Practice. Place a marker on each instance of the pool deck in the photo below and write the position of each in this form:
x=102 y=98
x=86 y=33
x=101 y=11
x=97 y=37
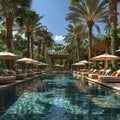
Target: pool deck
x=114 y=86
x=3 y=86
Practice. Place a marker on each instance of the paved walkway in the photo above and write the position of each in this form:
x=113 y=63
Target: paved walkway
x=114 y=86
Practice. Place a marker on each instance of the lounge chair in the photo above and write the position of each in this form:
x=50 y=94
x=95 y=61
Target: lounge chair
x=113 y=78
x=95 y=75
x=100 y=73
x=7 y=79
x=20 y=74
x=88 y=72
x=30 y=73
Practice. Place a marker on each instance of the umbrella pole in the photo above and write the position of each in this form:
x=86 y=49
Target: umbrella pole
x=106 y=63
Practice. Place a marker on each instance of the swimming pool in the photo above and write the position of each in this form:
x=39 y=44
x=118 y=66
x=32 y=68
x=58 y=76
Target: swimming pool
x=59 y=97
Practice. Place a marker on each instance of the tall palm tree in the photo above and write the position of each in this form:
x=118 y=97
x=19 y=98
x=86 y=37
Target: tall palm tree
x=44 y=39
x=113 y=22
x=74 y=2
x=29 y=23
x=47 y=42
x=113 y=13
x=9 y=10
x=77 y=33
x=37 y=26
x=70 y=48
x=90 y=12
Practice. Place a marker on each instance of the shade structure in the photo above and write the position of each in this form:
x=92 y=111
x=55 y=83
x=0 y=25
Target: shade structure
x=8 y=55
x=85 y=62
x=106 y=57
x=78 y=64
x=26 y=60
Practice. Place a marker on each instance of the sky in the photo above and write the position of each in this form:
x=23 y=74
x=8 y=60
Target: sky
x=54 y=12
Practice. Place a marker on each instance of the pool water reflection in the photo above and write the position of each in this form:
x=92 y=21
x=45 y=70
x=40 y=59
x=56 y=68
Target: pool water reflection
x=61 y=97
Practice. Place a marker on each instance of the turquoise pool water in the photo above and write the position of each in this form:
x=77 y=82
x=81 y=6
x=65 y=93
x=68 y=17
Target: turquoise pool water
x=59 y=97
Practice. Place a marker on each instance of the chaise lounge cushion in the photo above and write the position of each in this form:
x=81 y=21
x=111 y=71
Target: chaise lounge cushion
x=101 y=73
x=7 y=79
x=109 y=79
x=95 y=75
x=21 y=76
x=114 y=77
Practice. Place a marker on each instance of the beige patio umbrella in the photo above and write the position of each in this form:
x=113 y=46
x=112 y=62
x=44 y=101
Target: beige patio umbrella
x=106 y=57
x=26 y=60
x=85 y=62
x=8 y=55
x=78 y=64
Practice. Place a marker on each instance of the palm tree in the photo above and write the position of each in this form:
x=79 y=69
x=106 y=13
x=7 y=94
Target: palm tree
x=44 y=38
x=70 y=48
x=113 y=13
x=19 y=45
x=113 y=30
x=29 y=25
x=75 y=33
x=46 y=42
x=9 y=10
x=74 y=2
x=107 y=27
x=37 y=26
x=90 y=12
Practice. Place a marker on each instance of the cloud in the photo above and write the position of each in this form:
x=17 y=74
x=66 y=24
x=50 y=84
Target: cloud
x=59 y=37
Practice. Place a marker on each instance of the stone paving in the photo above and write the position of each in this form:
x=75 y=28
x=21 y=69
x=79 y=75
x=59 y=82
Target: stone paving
x=114 y=86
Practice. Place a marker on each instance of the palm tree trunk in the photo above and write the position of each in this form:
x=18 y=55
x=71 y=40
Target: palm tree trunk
x=32 y=42
x=43 y=52
x=113 y=31
x=39 y=48
x=9 y=24
x=46 y=55
x=90 y=26
x=78 y=43
x=113 y=13
x=90 y=43
x=28 y=44
x=9 y=36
